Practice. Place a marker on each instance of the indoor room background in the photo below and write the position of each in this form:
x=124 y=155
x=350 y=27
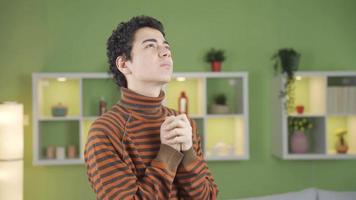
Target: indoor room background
x=70 y=36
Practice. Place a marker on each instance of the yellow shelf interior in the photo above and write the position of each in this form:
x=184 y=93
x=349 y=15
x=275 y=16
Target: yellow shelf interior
x=343 y=122
x=52 y=92
x=193 y=88
x=225 y=136
x=310 y=92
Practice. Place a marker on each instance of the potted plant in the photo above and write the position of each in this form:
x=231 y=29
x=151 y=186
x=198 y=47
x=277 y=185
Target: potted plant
x=220 y=106
x=215 y=57
x=286 y=63
x=341 y=146
x=298 y=127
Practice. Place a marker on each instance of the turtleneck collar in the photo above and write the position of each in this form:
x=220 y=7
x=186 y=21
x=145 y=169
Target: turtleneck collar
x=141 y=103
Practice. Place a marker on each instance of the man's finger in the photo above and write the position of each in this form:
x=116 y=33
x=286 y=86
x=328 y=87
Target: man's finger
x=168 y=120
x=174 y=133
x=175 y=124
x=176 y=140
x=183 y=117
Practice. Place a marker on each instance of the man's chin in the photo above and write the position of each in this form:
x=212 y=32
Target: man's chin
x=165 y=81
x=166 y=78
x=162 y=79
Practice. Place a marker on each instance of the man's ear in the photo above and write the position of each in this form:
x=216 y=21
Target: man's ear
x=122 y=66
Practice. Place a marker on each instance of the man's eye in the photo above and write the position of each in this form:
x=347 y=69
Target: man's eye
x=168 y=47
x=150 y=45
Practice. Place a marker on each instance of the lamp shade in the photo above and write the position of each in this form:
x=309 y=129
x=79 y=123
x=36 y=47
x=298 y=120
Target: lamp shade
x=11 y=180
x=11 y=151
x=11 y=131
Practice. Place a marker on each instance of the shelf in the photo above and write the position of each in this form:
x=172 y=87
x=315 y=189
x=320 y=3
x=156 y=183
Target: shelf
x=58 y=134
x=309 y=91
x=60 y=162
x=193 y=88
x=329 y=100
x=196 y=116
x=74 y=118
x=81 y=93
x=223 y=115
x=341 y=92
x=347 y=123
x=201 y=131
x=225 y=137
x=341 y=115
x=54 y=91
x=319 y=157
x=104 y=88
x=315 y=136
x=305 y=115
x=231 y=88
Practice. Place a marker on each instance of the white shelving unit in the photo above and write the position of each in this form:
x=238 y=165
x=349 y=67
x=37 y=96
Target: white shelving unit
x=329 y=100
x=224 y=136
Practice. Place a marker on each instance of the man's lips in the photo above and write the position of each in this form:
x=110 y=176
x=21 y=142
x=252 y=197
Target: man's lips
x=166 y=65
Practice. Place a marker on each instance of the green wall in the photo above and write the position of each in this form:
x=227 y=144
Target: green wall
x=67 y=36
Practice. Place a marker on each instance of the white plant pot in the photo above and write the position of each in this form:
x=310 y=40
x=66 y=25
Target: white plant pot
x=219 y=109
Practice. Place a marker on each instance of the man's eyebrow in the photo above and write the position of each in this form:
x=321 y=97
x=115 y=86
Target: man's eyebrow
x=154 y=40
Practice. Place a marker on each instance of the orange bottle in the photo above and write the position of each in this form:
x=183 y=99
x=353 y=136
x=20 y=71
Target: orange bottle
x=102 y=106
x=183 y=103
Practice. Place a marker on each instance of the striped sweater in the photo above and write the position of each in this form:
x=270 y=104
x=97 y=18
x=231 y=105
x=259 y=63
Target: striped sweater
x=126 y=160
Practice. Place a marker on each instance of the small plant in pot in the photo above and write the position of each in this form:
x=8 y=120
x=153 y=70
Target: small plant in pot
x=219 y=106
x=341 y=145
x=215 y=57
x=286 y=63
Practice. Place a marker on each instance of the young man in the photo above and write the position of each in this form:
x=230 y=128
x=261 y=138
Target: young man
x=141 y=149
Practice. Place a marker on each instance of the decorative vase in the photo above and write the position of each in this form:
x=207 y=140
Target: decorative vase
x=341 y=146
x=299 y=109
x=299 y=142
x=216 y=66
x=59 y=110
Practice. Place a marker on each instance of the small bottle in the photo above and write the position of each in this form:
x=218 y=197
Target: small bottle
x=60 y=153
x=183 y=103
x=51 y=152
x=71 y=151
x=102 y=106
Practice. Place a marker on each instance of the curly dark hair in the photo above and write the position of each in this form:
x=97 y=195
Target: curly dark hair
x=121 y=40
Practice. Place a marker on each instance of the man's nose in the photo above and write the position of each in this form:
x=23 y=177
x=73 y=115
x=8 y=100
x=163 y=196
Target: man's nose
x=164 y=52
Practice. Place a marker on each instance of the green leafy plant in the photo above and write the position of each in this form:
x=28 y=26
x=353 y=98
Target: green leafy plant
x=341 y=132
x=220 y=99
x=286 y=63
x=299 y=124
x=215 y=55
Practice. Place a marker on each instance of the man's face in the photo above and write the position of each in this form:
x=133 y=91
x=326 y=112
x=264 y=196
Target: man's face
x=151 y=60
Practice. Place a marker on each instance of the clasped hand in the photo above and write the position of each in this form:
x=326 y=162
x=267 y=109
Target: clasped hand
x=177 y=132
